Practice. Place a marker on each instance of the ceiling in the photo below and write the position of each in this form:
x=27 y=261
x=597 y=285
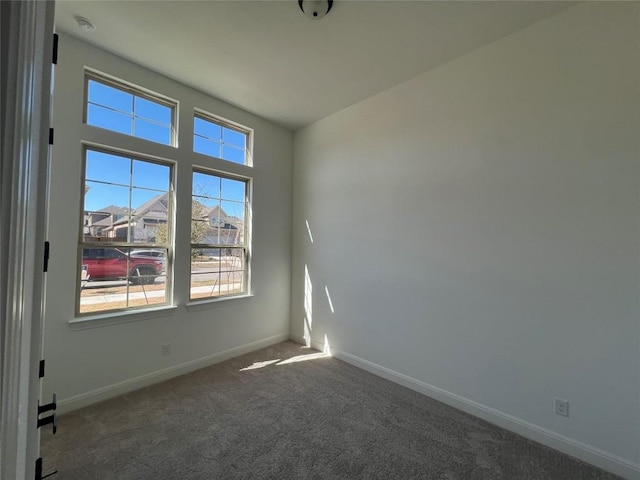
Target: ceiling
x=269 y=59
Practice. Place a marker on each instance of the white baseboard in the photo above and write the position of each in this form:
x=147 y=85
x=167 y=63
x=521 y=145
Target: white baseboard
x=575 y=448
x=104 y=393
x=600 y=458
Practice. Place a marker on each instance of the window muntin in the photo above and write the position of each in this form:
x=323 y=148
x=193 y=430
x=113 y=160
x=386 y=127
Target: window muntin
x=120 y=108
x=126 y=232
x=219 y=244
x=216 y=138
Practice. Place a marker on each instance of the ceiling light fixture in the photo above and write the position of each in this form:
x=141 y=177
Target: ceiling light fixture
x=84 y=24
x=315 y=8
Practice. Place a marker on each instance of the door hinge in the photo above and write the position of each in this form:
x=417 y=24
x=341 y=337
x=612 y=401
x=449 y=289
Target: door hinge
x=54 y=58
x=46 y=256
x=51 y=136
x=41 y=369
x=48 y=407
x=39 y=470
x=50 y=420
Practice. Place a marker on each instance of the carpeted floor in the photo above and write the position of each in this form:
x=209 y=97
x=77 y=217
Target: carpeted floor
x=288 y=412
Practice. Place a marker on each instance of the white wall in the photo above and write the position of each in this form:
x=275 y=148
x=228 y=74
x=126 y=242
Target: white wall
x=477 y=230
x=90 y=361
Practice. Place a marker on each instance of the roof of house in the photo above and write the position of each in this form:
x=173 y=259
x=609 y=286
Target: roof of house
x=111 y=210
x=107 y=222
x=157 y=206
x=216 y=211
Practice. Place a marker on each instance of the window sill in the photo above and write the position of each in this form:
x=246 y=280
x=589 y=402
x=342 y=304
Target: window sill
x=106 y=319
x=205 y=304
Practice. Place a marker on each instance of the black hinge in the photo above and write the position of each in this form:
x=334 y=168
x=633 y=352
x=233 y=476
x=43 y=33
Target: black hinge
x=39 y=470
x=41 y=369
x=54 y=58
x=50 y=420
x=46 y=256
x=51 y=136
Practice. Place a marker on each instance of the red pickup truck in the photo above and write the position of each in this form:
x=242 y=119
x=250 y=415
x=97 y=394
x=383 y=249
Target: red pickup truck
x=114 y=264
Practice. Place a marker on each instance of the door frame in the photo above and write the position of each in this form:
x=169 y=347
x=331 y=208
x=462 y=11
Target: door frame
x=25 y=88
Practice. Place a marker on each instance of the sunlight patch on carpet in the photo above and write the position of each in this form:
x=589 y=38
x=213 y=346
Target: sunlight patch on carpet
x=303 y=358
x=260 y=364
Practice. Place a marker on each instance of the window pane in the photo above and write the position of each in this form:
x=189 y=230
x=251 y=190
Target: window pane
x=207 y=129
x=107 y=96
x=113 y=108
x=205 y=273
x=117 y=278
x=106 y=264
x=151 y=175
x=233 y=190
x=205 y=208
x=152 y=131
x=109 y=168
x=150 y=208
x=232 y=271
x=216 y=140
x=106 y=211
x=215 y=222
x=204 y=212
x=128 y=276
x=206 y=147
x=233 y=154
x=148 y=202
x=152 y=110
x=217 y=272
x=233 y=209
x=109 y=119
x=234 y=137
x=205 y=185
x=233 y=232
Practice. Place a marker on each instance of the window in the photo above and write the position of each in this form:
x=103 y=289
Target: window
x=216 y=138
x=219 y=243
x=126 y=242
x=126 y=232
x=120 y=108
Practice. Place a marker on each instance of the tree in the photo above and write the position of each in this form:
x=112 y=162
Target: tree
x=199 y=227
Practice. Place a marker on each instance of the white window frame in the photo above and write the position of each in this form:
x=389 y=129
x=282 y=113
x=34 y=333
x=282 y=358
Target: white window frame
x=136 y=91
x=170 y=245
x=246 y=246
x=224 y=123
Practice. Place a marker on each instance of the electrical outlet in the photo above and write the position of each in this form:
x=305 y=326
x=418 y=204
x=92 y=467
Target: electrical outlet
x=561 y=407
x=166 y=349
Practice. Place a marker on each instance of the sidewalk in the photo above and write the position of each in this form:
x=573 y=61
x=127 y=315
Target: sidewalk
x=122 y=297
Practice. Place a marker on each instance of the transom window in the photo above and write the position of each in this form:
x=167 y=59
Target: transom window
x=125 y=248
x=219 y=243
x=120 y=108
x=218 y=139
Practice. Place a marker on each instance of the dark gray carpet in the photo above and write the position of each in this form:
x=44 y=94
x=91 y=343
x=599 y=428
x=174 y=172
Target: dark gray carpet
x=313 y=419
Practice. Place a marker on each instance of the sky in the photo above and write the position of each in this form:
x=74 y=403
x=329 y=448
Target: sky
x=125 y=182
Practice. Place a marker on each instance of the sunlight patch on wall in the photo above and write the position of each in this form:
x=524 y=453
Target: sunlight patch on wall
x=308 y=306
x=327 y=348
x=309 y=230
x=326 y=290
